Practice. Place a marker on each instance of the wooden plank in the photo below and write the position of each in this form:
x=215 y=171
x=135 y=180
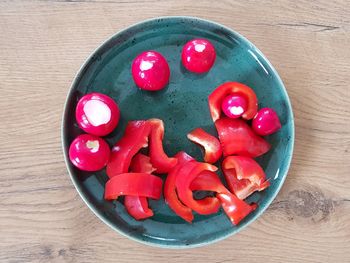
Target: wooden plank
x=43 y=44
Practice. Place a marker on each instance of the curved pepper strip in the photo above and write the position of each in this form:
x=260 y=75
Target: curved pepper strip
x=234 y=208
x=217 y=96
x=141 y=164
x=244 y=176
x=207 y=181
x=136 y=184
x=185 y=177
x=211 y=145
x=137 y=206
x=159 y=159
x=134 y=138
x=170 y=194
x=237 y=138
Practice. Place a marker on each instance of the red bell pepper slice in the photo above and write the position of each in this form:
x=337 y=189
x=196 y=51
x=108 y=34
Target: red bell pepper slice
x=207 y=181
x=136 y=184
x=234 y=208
x=217 y=96
x=170 y=194
x=141 y=164
x=244 y=176
x=185 y=177
x=237 y=138
x=159 y=159
x=211 y=145
x=137 y=206
x=135 y=138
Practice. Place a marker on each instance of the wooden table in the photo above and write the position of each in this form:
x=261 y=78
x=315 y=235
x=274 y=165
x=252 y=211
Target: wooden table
x=43 y=44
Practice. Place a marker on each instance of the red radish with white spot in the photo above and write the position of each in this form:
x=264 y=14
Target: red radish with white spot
x=89 y=153
x=266 y=122
x=97 y=114
x=234 y=106
x=198 y=55
x=150 y=71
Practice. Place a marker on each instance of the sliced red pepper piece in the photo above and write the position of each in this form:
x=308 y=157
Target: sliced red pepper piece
x=217 y=96
x=135 y=138
x=208 y=181
x=170 y=194
x=211 y=145
x=141 y=164
x=185 y=177
x=137 y=206
x=244 y=176
x=159 y=158
x=237 y=137
x=136 y=184
x=234 y=208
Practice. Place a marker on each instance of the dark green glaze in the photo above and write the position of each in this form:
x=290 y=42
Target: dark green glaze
x=182 y=106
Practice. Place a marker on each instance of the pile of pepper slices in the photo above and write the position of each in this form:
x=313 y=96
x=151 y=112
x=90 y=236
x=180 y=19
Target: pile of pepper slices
x=132 y=173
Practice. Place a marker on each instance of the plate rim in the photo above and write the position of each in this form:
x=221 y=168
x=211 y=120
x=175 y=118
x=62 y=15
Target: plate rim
x=76 y=183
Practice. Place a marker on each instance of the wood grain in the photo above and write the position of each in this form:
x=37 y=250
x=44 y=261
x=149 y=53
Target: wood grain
x=43 y=44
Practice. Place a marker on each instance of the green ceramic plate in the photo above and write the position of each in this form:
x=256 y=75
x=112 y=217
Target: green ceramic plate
x=182 y=106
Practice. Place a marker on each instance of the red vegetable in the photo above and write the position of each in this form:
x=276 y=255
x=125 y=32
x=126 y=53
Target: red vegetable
x=159 y=159
x=170 y=194
x=141 y=164
x=136 y=184
x=185 y=174
x=137 y=206
x=243 y=176
x=198 y=55
x=202 y=182
x=232 y=88
x=89 y=153
x=208 y=181
x=97 y=114
x=211 y=144
x=135 y=138
x=237 y=138
x=185 y=177
x=234 y=106
x=150 y=71
x=234 y=208
x=266 y=122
